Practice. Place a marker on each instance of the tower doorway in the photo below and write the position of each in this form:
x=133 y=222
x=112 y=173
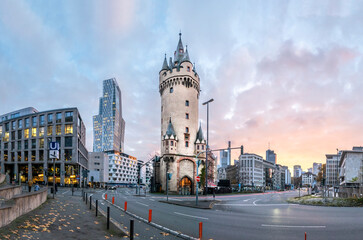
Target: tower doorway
x=185 y=186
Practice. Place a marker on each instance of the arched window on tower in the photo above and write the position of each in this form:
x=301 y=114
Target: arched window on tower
x=186 y=144
x=187 y=103
x=188 y=69
x=171 y=90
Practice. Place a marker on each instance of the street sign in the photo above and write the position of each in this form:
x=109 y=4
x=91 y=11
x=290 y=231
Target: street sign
x=198 y=179
x=54 y=146
x=54 y=154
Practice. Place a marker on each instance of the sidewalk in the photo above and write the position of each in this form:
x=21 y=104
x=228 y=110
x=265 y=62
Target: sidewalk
x=65 y=217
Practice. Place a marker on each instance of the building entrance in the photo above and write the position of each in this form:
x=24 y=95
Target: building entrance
x=185 y=186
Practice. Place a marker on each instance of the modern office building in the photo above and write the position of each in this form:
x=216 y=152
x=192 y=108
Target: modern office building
x=351 y=168
x=24 y=139
x=98 y=168
x=108 y=125
x=224 y=158
x=271 y=156
x=332 y=169
x=297 y=171
x=287 y=176
x=251 y=170
x=316 y=168
x=122 y=168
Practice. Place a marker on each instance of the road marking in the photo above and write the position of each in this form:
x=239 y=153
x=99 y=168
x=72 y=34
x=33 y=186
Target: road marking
x=102 y=203
x=254 y=203
x=191 y=216
x=142 y=204
x=65 y=192
x=152 y=200
x=246 y=200
x=288 y=226
x=175 y=199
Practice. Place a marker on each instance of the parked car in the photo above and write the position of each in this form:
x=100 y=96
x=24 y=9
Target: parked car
x=111 y=188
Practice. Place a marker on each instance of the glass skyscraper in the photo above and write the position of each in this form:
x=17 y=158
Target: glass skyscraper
x=108 y=125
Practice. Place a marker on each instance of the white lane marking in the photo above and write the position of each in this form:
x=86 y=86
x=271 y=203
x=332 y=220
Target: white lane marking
x=65 y=192
x=288 y=226
x=90 y=195
x=152 y=200
x=254 y=203
x=143 y=197
x=175 y=199
x=102 y=203
x=142 y=204
x=246 y=200
x=191 y=216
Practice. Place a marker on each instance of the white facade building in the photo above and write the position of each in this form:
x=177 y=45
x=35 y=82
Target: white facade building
x=308 y=179
x=251 y=170
x=287 y=177
x=332 y=169
x=98 y=168
x=122 y=168
x=351 y=168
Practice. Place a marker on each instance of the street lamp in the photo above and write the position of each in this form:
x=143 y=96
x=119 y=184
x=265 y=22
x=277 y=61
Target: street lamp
x=206 y=156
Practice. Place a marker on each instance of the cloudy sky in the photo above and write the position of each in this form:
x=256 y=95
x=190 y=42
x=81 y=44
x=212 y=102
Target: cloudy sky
x=288 y=73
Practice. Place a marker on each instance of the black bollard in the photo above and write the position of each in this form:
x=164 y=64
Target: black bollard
x=108 y=218
x=90 y=202
x=131 y=229
x=96 y=207
x=86 y=198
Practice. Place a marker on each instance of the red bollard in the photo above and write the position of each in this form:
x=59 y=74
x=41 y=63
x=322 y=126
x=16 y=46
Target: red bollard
x=200 y=230
x=105 y=196
x=113 y=200
x=125 y=206
x=305 y=235
x=150 y=214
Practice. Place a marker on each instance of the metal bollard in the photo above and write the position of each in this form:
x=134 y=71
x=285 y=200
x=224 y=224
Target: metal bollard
x=150 y=214
x=96 y=208
x=105 y=196
x=200 y=230
x=305 y=235
x=86 y=198
x=131 y=229
x=125 y=206
x=90 y=202
x=108 y=218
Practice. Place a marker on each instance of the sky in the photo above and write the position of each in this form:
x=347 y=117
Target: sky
x=284 y=73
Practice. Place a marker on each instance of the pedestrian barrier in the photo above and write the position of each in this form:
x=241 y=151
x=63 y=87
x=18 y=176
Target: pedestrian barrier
x=200 y=230
x=305 y=235
x=113 y=200
x=150 y=214
x=106 y=196
x=125 y=206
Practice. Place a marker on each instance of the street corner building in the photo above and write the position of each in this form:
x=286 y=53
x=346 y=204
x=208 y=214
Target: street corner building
x=181 y=138
x=24 y=145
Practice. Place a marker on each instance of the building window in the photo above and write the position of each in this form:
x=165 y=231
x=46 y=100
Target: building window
x=41 y=131
x=68 y=129
x=171 y=143
x=50 y=118
x=20 y=123
x=41 y=120
x=58 y=130
x=34 y=143
x=171 y=90
x=13 y=124
x=68 y=154
x=34 y=132
x=20 y=134
x=34 y=121
x=202 y=147
x=188 y=69
x=26 y=144
x=69 y=117
x=50 y=130
x=58 y=118
x=58 y=140
x=19 y=145
x=197 y=147
x=33 y=156
x=186 y=103
x=187 y=116
x=68 y=141
x=186 y=144
x=41 y=143
x=26 y=133
x=26 y=122
x=186 y=129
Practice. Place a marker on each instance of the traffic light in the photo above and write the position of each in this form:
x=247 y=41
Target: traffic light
x=169 y=176
x=241 y=149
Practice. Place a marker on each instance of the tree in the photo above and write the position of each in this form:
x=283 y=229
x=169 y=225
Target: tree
x=322 y=173
x=202 y=177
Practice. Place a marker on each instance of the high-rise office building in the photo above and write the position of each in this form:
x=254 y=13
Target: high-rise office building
x=271 y=156
x=224 y=158
x=297 y=171
x=316 y=168
x=108 y=125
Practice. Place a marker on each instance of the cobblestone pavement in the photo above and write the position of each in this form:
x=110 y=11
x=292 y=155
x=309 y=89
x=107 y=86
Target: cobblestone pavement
x=68 y=217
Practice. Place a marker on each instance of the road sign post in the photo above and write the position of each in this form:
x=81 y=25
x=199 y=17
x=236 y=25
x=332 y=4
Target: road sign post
x=53 y=154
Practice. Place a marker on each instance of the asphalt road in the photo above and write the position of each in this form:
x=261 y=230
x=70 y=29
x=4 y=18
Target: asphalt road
x=253 y=216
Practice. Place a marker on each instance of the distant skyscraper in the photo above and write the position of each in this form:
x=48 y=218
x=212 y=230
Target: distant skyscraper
x=108 y=125
x=297 y=171
x=316 y=168
x=224 y=158
x=271 y=156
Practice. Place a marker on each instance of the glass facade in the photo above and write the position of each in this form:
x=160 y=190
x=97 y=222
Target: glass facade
x=108 y=125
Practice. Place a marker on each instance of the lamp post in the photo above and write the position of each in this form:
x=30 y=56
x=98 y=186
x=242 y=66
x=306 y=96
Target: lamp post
x=206 y=156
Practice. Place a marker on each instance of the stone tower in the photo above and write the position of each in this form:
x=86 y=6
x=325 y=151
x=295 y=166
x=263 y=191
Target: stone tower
x=181 y=140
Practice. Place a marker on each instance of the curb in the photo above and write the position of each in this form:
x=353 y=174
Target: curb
x=210 y=206
x=170 y=231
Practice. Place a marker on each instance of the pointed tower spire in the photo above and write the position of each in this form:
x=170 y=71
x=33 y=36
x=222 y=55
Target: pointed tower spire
x=170 y=63
x=179 y=53
x=200 y=136
x=186 y=55
x=170 y=131
x=165 y=64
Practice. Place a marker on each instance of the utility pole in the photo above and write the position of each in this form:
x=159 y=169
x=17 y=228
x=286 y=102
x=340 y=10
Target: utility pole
x=206 y=157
